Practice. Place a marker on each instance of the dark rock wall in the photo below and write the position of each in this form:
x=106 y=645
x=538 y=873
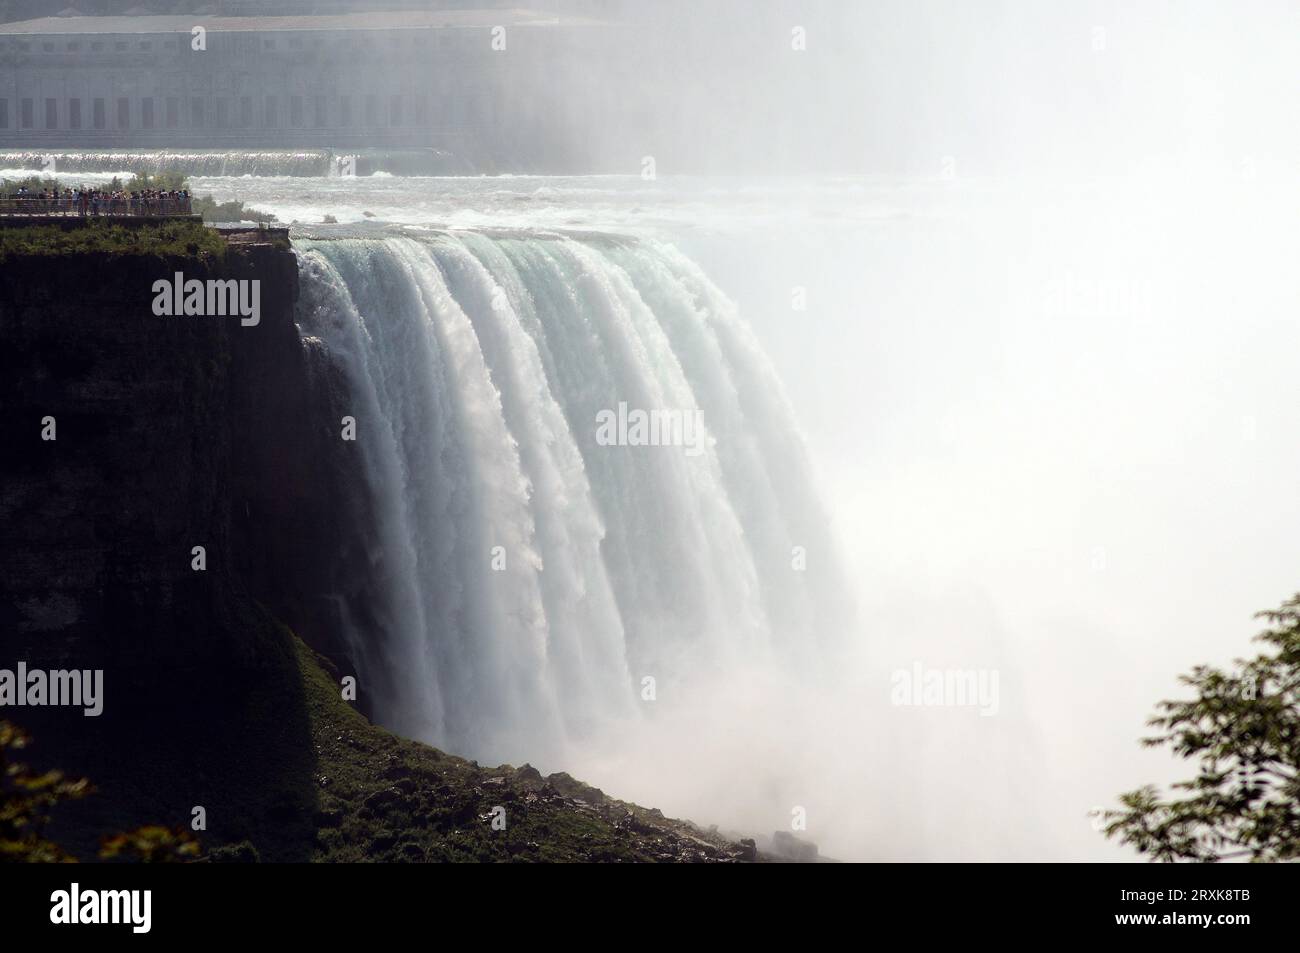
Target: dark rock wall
x=172 y=432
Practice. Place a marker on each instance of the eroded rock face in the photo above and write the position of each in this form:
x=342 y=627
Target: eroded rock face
x=179 y=432
x=99 y=523
x=170 y=433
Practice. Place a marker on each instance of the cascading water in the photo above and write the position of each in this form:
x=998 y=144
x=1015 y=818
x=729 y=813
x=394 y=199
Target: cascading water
x=262 y=163
x=533 y=577
x=267 y=163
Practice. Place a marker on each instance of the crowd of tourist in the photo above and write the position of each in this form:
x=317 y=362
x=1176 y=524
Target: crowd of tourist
x=96 y=202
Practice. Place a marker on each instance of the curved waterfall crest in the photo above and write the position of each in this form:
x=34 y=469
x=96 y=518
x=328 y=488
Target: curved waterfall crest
x=537 y=578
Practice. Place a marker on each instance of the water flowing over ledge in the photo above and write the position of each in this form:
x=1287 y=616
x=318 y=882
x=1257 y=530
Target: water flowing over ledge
x=533 y=578
x=258 y=163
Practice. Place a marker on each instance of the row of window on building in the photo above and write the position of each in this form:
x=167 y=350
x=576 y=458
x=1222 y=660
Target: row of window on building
x=244 y=112
x=420 y=40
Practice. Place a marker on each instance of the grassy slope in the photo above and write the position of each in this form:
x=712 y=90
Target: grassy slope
x=383 y=797
x=286 y=770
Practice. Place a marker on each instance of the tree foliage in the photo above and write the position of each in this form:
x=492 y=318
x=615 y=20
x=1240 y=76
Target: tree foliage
x=1243 y=729
x=152 y=844
x=27 y=798
x=165 y=181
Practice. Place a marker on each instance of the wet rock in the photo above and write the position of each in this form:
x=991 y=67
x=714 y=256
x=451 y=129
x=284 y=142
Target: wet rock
x=568 y=786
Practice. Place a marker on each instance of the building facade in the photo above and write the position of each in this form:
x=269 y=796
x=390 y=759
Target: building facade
x=463 y=80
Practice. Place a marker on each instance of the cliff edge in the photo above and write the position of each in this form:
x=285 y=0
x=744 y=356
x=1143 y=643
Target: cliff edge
x=177 y=512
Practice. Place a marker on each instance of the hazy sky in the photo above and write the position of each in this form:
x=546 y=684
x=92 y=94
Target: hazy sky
x=1003 y=86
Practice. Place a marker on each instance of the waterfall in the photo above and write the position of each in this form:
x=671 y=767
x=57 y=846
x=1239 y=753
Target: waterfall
x=259 y=163
x=539 y=584
x=215 y=163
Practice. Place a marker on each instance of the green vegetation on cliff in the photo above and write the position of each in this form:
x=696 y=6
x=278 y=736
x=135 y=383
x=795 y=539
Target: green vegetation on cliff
x=384 y=797
x=100 y=236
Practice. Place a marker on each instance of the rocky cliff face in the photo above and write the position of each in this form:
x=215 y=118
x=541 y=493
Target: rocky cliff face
x=130 y=439
x=169 y=433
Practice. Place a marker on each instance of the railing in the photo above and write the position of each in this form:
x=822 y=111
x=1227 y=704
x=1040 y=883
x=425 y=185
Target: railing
x=103 y=208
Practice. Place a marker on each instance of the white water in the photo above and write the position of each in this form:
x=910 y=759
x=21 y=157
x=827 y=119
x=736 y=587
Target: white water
x=479 y=366
x=82 y=166
x=1048 y=418
x=1052 y=424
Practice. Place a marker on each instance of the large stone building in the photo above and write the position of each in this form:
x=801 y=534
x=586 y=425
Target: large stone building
x=472 y=81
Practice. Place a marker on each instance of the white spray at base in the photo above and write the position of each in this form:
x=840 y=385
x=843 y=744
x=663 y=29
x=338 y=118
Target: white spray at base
x=548 y=598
